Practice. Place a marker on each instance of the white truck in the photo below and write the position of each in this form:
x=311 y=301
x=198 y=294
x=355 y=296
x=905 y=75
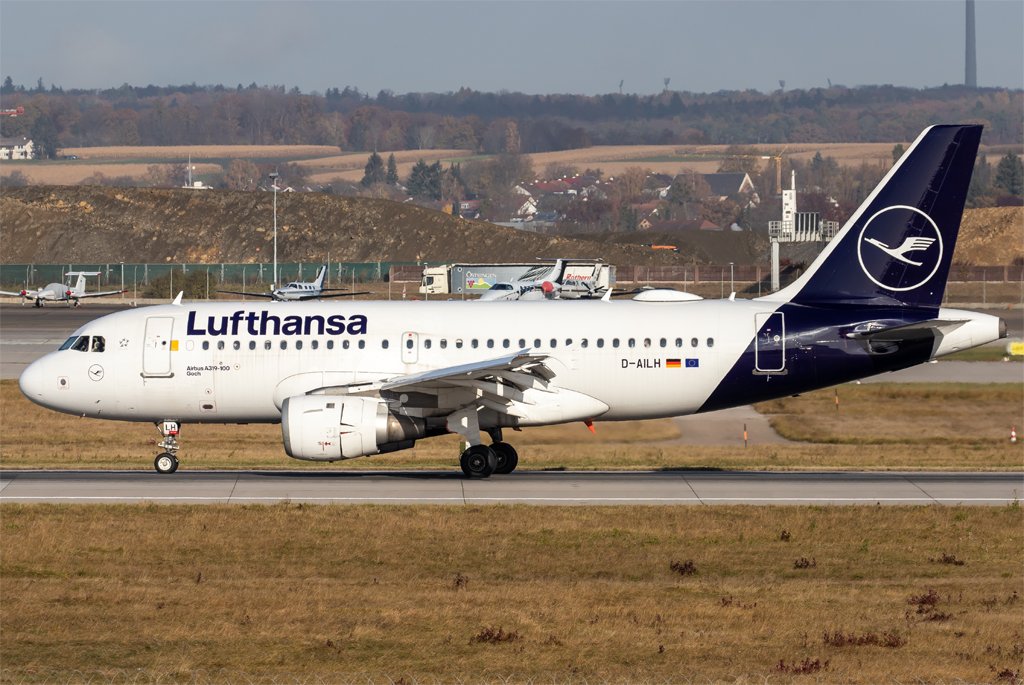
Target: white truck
x=459 y=279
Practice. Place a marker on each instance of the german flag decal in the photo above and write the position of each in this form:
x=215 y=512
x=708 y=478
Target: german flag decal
x=673 y=364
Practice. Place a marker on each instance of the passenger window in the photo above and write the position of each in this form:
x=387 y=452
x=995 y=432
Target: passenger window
x=384 y=343
x=600 y=342
x=647 y=342
x=536 y=342
x=632 y=342
x=98 y=343
x=344 y=344
x=711 y=342
x=330 y=344
x=267 y=344
x=408 y=344
x=284 y=344
x=252 y=344
x=679 y=342
x=583 y=342
x=694 y=342
x=206 y=344
x=82 y=345
x=490 y=343
x=426 y=343
x=69 y=342
x=664 y=343
x=568 y=342
x=458 y=343
x=522 y=343
x=554 y=343
x=362 y=344
x=298 y=344
x=505 y=343
x=315 y=344
x=237 y=344
x=220 y=344
x=615 y=342
x=444 y=343
x=474 y=343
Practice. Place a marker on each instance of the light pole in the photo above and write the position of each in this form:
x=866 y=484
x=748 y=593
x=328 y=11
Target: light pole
x=732 y=279
x=122 y=280
x=273 y=181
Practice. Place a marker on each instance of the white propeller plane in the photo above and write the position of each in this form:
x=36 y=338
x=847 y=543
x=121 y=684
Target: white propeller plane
x=348 y=379
x=62 y=292
x=298 y=291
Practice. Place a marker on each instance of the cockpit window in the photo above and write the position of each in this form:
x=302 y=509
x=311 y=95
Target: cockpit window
x=98 y=343
x=69 y=342
x=82 y=344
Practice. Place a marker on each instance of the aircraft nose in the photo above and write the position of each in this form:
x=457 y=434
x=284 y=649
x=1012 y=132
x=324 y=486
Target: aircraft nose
x=34 y=381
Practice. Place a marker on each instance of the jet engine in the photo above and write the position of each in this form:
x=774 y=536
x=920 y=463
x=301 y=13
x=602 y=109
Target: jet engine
x=329 y=428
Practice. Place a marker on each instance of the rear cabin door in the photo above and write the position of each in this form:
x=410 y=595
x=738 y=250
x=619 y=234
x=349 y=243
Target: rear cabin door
x=770 y=343
x=156 y=352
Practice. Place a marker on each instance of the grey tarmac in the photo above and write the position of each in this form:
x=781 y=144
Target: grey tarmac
x=685 y=487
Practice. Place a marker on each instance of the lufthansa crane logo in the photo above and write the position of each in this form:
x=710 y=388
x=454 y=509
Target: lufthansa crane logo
x=900 y=248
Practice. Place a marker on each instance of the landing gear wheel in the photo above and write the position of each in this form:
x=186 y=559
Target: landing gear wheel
x=478 y=461
x=165 y=462
x=508 y=459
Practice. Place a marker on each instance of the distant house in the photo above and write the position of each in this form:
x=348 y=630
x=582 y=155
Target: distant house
x=16 y=148
x=726 y=185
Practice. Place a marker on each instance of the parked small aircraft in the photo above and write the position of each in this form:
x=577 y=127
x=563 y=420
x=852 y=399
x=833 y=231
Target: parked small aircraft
x=297 y=291
x=62 y=292
x=550 y=282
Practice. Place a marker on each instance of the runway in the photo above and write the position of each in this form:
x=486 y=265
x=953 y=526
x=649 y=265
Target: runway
x=697 y=487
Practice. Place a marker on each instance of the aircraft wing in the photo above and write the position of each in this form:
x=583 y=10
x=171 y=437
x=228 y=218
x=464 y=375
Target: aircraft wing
x=235 y=292
x=322 y=296
x=500 y=384
x=28 y=293
x=99 y=294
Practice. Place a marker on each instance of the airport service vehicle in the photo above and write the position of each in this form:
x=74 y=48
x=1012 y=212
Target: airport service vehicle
x=461 y=279
x=62 y=292
x=348 y=379
x=298 y=291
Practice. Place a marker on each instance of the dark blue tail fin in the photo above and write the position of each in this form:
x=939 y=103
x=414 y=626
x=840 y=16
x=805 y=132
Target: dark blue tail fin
x=897 y=247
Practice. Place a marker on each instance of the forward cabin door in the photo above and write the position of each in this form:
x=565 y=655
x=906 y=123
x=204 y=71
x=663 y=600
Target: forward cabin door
x=769 y=343
x=156 y=352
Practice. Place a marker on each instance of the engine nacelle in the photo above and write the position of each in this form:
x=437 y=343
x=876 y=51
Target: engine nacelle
x=329 y=428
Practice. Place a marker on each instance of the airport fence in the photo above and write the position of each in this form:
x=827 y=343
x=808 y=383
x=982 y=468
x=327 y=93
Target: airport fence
x=129 y=276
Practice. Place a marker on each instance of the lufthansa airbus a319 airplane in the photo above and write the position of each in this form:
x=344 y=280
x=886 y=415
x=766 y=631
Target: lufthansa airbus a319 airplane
x=352 y=379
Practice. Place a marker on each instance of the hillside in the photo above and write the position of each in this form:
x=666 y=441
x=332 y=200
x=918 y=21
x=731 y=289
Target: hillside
x=62 y=224
x=91 y=224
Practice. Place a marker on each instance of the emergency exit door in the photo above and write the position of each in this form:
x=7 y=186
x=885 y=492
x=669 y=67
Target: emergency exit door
x=156 y=351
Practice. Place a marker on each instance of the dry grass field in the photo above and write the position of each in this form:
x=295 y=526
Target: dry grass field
x=295 y=593
x=183 y=152
x=877 y=427
x=73 y=173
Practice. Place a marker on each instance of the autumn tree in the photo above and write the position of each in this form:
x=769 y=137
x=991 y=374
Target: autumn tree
x=242 y=174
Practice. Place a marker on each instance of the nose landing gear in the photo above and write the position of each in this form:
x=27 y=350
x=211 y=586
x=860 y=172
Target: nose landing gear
x=167 y=462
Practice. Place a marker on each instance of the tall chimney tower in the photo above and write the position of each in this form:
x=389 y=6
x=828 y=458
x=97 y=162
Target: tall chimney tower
x=970 y=55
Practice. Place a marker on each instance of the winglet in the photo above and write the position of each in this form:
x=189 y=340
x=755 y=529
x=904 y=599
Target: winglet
x=607 y=297
x=177 y=300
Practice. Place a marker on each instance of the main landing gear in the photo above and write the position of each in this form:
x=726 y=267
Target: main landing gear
x=480 y=461
x=167 y=462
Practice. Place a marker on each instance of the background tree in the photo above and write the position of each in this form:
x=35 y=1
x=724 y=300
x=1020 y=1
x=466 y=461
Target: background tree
x=981 y=183
x=897 y=152
x=44 y=137
x=374 y=171
x=392 y=175
x=1010 y=175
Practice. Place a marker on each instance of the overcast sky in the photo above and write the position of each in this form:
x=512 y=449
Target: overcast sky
x=532 y=47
